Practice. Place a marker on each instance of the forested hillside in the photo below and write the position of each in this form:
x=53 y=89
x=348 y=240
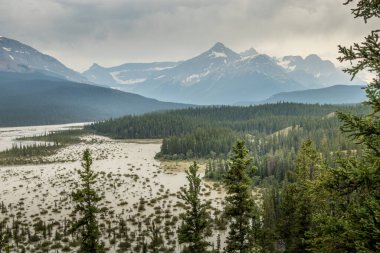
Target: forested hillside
x=266 y=119
x=38 y=99
x=337 y=94
x=273 y=133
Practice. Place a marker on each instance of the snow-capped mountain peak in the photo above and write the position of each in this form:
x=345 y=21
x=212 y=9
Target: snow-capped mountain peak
x=313 y=71
x=217 y=76
x=220 y=75
x=219 y=50
x=18 y=57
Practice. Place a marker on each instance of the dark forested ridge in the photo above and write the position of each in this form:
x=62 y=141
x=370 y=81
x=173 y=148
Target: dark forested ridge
x=337 y=94
x=37 y=99
x=266 y=118
x=273 y=132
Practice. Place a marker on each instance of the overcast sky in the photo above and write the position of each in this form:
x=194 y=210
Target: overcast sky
x=112 y=32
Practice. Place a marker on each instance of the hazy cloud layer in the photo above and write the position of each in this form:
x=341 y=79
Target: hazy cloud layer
x=111 y=32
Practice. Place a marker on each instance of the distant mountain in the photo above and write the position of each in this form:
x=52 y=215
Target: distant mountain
x=314 y=72
x=36 y=99
x=221 y=76
x=217 y=76
x=126 y=74
x=337 y=94
x=18 y=57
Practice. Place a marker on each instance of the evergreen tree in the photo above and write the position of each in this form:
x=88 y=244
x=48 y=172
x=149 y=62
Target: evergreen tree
x=240 y=208
x=270 y=217
x=196 y=225
x=308 y=163
x=86 y=199
x=352 y=221
x=296 y=205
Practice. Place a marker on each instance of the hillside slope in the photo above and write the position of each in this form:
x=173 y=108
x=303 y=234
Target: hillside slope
x=337 y=94
x=35 y=99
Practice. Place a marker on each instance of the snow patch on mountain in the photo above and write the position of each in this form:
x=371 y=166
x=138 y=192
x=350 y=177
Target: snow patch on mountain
x=247 y=58
x=195 y=78
x=215 y=54
x=133 y=81
x=286 y=64
x=160 y=68
x=115 y=75
x=159 y=77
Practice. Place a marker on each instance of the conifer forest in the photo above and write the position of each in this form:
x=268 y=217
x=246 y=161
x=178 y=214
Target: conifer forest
x=282 y=177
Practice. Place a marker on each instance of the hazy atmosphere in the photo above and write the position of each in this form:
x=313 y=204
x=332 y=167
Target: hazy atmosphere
x=189 y=126
x=112 y=32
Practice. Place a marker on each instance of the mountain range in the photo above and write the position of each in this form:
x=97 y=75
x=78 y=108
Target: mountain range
x=36 y=88
x=221 y=76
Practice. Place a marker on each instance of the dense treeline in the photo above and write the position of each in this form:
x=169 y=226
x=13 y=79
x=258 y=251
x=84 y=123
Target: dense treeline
x=40 y=146
x=266 y=119
x=60 y=137
x=273 y=132
x=200 y=142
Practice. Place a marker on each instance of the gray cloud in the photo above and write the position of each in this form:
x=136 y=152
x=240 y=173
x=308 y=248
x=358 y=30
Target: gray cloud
x=110 y=32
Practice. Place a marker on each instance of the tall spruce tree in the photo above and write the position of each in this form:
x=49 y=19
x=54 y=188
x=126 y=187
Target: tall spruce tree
x=240 y=208
x=86 y=200
x=270 y=216
x=296 y=206
x=196 y=223
x=351 y=222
